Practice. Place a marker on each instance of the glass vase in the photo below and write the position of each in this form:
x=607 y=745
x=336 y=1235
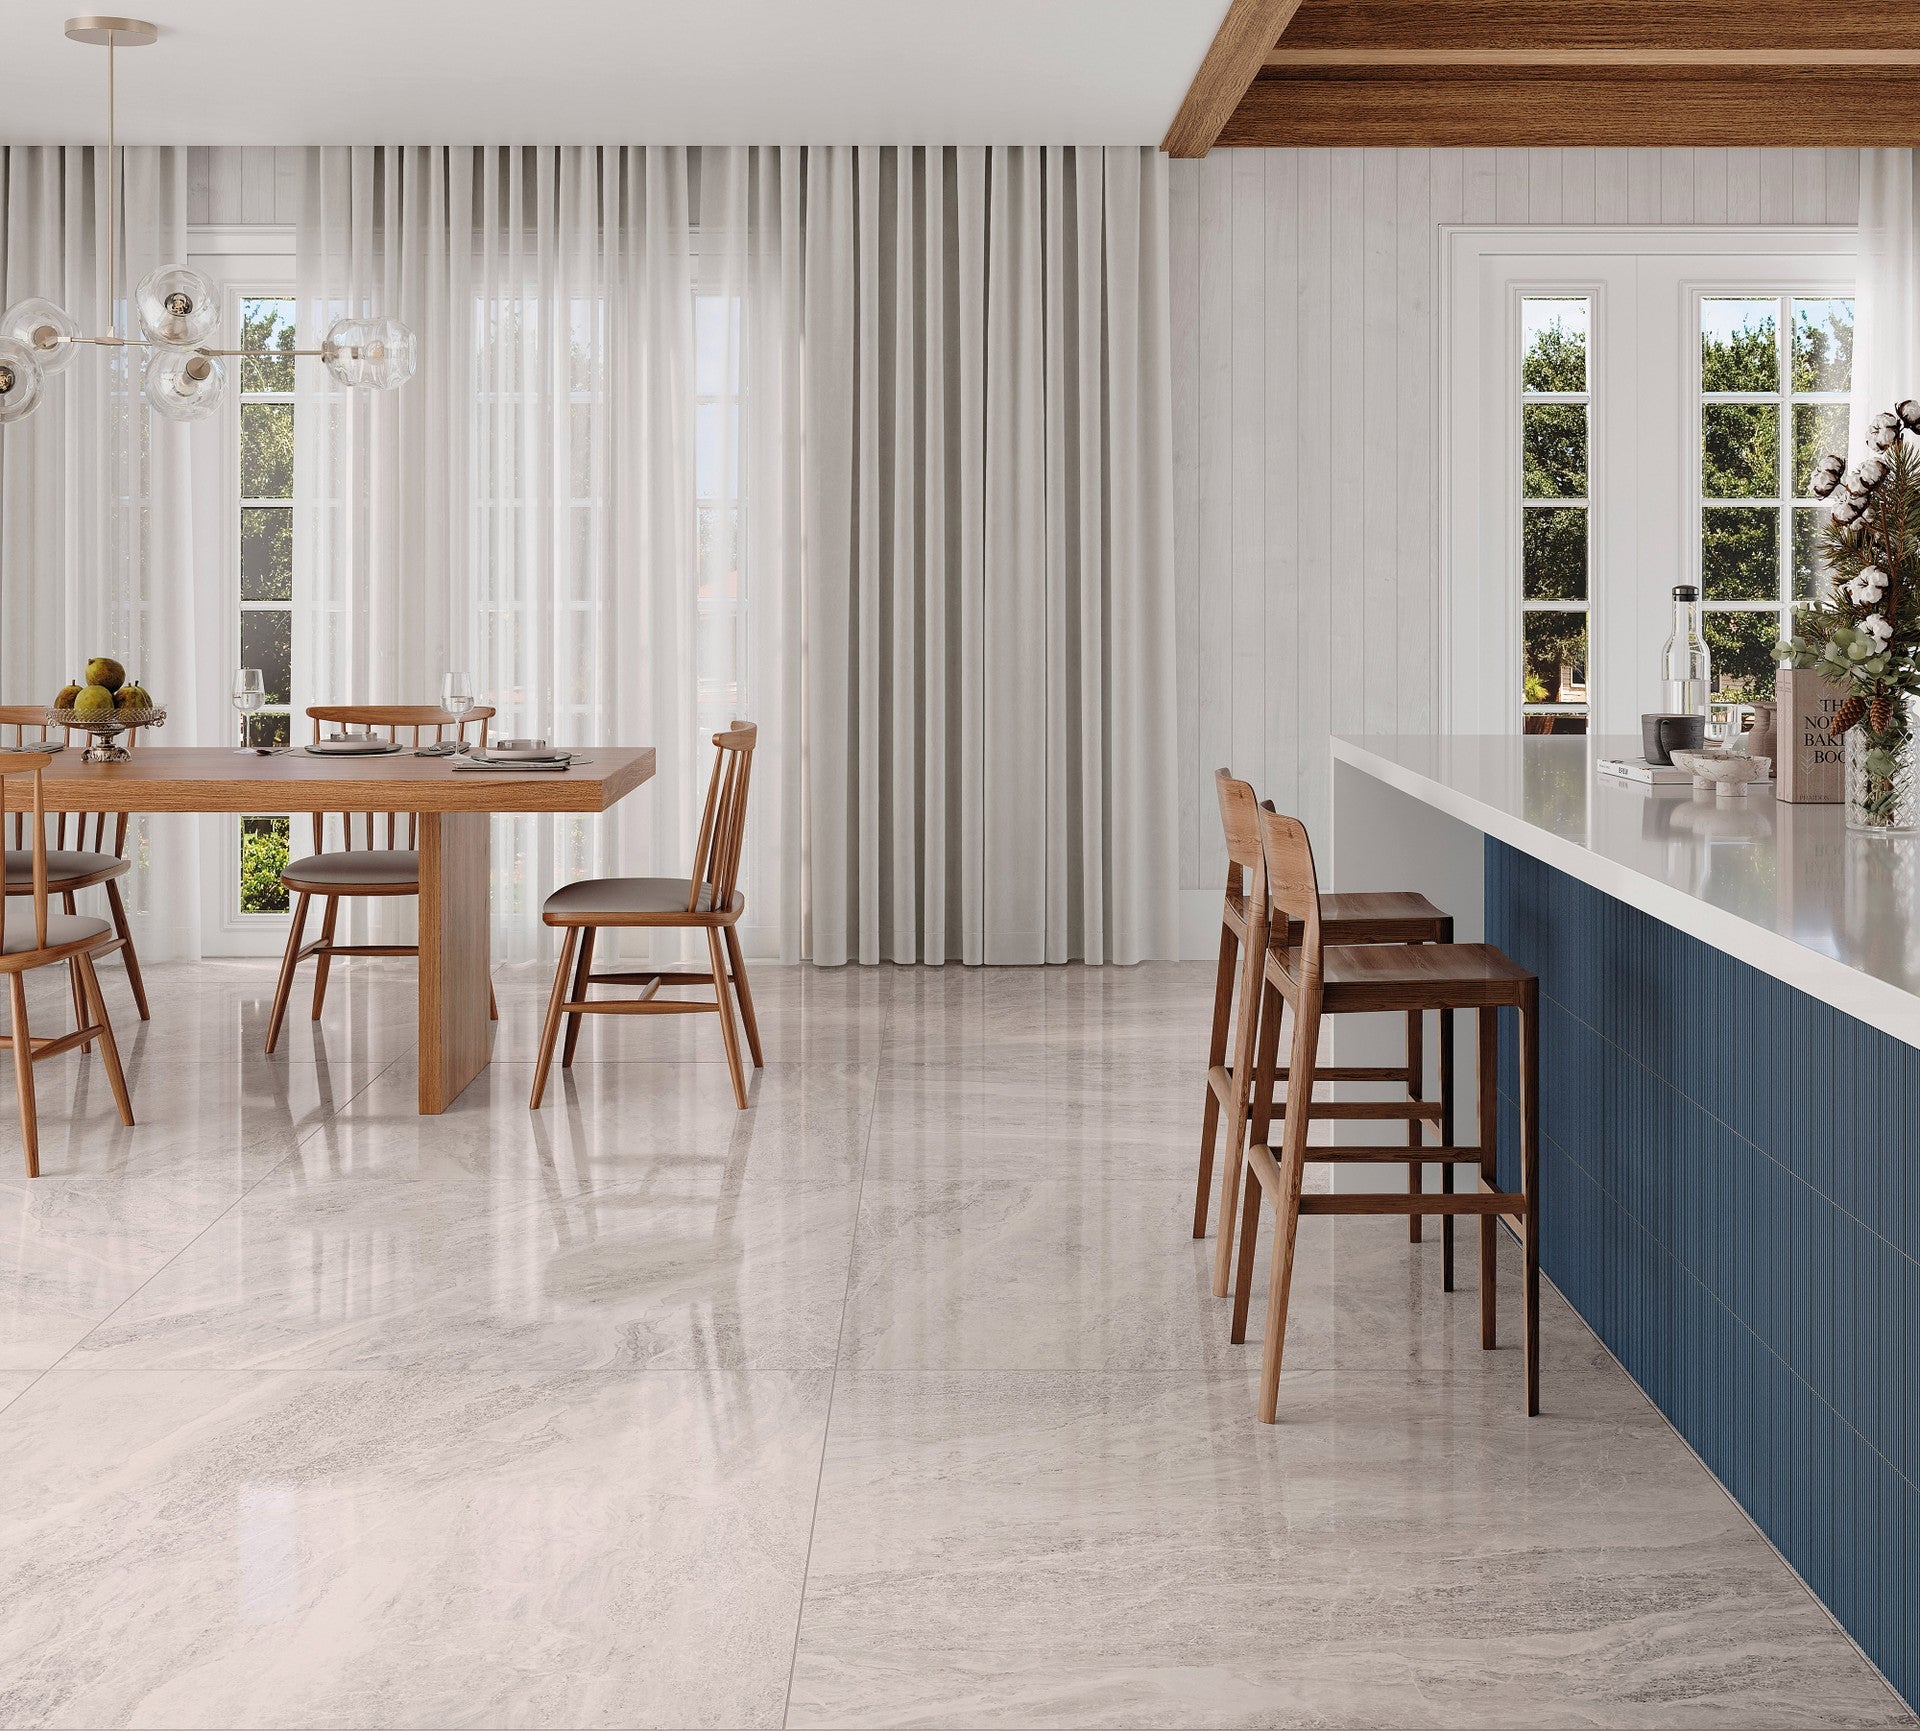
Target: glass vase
x=1883 y=771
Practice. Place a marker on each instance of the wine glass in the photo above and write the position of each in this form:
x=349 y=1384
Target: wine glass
x=249 y=694
x=456 y=698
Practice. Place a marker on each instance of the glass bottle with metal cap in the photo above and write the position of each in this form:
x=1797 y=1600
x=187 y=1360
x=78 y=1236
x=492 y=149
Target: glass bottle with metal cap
x=1686 y=669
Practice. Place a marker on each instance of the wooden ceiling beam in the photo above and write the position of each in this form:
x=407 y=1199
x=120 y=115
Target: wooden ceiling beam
x=1590 y=24
x=1478 y=106
x=1233 y=61
x=1291 y=59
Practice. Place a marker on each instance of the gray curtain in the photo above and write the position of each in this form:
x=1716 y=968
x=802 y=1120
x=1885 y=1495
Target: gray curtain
x=988 y=600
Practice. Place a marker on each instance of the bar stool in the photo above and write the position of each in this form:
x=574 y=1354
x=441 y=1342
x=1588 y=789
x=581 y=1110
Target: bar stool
x=1371 y=917
x=1313 y=980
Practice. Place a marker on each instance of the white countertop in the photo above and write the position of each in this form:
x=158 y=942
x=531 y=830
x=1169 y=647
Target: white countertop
x=1782 y=887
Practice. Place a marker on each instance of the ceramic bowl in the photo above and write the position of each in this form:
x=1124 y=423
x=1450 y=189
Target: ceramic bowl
x=1728 y=773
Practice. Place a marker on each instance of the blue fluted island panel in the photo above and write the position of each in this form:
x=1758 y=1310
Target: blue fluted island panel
x=1729 y=1189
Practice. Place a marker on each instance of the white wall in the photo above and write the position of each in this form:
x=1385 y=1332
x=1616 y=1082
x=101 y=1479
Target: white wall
x=1305 y=380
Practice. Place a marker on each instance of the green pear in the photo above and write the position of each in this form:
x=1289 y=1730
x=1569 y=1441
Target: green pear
x=93 y=700
x=102 y=670
x=132 y=697
x=67 y=694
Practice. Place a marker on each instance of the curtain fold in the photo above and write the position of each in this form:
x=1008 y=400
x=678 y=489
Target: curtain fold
x=96 y=501
x=872 y=445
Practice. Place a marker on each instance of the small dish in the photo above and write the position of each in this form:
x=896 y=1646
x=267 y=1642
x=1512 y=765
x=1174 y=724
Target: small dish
x=1728 y=773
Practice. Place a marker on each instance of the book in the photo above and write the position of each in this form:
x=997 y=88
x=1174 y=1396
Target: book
x=1651 y=774
x=1810 y=762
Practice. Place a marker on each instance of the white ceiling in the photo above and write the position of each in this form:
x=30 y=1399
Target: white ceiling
x=629 y=71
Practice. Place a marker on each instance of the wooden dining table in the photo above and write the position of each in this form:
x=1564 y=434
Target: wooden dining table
x=454 y=806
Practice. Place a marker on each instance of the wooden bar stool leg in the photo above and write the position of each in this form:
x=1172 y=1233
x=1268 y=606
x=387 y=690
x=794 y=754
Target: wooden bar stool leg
x=118 y=908
x=323 y=962
x=551 y=1030
x=1216 y=1055
x=23 y=1074
x=1416 y=1131
x=1253 y=1113
x=1446 y=1139
x=284 y=989
x=1252 y=1200
x=582 y=978
x=1286 y=1229
x=1487 y=1091
x=1530 y=1180
x=108 y=1050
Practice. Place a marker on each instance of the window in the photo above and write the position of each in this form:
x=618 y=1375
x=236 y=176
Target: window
x=265 y=585
x=1556 y=405
x=1774 y=374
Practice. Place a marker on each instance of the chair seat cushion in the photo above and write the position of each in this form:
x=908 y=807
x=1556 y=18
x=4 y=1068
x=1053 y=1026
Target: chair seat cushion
x=64 y=865
x=615 y=897
x=62 y=929
x=355 y=868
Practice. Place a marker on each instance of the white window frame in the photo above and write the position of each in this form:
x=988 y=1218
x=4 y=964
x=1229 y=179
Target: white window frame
x=241 y=262
x=1642 y=473
x=1785 y=502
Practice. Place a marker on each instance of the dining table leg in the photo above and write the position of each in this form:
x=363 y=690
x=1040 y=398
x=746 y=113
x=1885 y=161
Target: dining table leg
x=456 y=1033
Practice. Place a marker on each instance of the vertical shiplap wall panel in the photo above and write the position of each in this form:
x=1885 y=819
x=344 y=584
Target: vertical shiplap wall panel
x=1284 y=490
x=243 y=186
x=1306 y=386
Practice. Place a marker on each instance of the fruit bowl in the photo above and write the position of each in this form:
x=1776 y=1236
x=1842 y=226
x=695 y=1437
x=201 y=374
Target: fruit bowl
x=103 y=724
x=1726 y=772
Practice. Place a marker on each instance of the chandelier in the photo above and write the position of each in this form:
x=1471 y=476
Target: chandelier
x=184 y=378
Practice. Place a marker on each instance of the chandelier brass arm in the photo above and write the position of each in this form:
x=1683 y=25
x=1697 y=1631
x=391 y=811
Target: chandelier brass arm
x=179 y=308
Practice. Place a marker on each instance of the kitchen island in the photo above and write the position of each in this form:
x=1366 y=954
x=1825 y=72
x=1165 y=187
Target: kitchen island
x=1730 y=1093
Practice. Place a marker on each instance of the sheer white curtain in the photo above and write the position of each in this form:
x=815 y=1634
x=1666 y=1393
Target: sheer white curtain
x=1886 y=350
x=95 y=506
x=872 y=446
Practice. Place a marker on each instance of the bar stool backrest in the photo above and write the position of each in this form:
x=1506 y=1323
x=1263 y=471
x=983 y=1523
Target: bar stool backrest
x=26 y=724
x=391 y=721
x=716 y=857
x=31 y=763
x=1293 y=886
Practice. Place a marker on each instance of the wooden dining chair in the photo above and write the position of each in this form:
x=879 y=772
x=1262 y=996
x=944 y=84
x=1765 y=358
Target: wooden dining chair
x=38 y=940
x=708 y=900
x=1314 y=980
x=1363 y=917
x=87 y=851
x=360 y=867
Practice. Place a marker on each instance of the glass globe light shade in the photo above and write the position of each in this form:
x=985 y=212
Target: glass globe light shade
x=183 y=385
x=372 y=354
x=177 y=306
x=45 y=329
x=19 y=380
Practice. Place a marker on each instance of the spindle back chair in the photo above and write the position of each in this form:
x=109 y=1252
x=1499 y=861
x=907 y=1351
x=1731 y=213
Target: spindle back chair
x=84 y=856
x=399 y=724
x=46 y=939
x=709 y=898
x=369 y=863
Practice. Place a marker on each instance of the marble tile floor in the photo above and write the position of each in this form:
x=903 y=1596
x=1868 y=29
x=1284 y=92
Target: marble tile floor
x=899 y=1399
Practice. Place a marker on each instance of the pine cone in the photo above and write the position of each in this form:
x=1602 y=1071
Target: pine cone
x=1847 y=715
x=1881 y=710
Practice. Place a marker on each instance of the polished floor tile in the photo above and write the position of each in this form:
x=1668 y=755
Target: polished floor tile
x=1079 y=1549
x=511 y=1274
x=435 y=1548
x=899 y=1398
